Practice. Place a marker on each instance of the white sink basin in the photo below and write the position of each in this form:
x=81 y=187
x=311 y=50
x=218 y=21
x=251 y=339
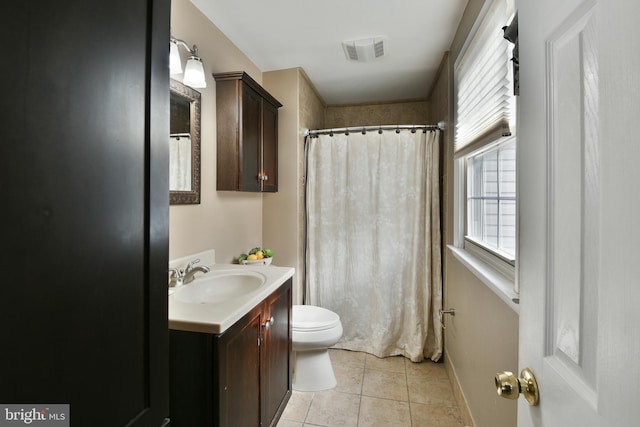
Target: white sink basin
x=220 y=286
x=215 y=301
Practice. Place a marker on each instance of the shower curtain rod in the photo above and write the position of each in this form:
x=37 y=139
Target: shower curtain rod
x=381 y=128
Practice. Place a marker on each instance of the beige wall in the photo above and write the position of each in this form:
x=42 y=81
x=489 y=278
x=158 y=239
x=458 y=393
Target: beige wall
x=284 y=212
x=482 y=338
x=392 y=113
x=280 y=210
x=439 y=111
x=311 y=116
x=229 y=222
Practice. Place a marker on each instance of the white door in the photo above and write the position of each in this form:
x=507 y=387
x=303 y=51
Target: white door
x=579 y=206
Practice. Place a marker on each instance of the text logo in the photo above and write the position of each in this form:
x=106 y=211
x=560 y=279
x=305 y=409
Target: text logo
x=34 y=415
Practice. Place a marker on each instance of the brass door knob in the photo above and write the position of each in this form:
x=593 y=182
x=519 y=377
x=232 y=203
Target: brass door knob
x=509 y=386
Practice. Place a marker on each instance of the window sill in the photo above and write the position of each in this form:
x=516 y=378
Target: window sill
x=496 y=281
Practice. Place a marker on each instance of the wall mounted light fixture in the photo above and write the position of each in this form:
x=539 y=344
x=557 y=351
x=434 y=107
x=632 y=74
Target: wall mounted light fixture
x=193 y=71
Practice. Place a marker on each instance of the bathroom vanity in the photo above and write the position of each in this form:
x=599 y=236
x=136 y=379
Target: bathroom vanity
x=230 y=349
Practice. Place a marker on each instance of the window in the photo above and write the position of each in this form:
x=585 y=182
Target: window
x=485 y=142
x=491 y=199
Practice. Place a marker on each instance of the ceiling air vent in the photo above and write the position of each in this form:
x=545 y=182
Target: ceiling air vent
x=351 y=51
x=365 y=49
x=378 y=48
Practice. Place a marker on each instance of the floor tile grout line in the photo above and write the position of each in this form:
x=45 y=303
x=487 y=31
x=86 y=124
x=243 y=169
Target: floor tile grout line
x=406 y=383
x=364 y=369
x=411 y=405
x=306 y=414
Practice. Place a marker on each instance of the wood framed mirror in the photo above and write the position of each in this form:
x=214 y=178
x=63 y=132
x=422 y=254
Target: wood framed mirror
x=184 y=145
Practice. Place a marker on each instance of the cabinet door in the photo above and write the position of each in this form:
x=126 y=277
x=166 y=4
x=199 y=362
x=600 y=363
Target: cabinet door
x=239 y=364
x=269 y=147
x=250 y=140
x=276 y=360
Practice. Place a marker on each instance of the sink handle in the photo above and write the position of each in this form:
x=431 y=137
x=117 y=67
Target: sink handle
x=176 y=277
x=189 y=266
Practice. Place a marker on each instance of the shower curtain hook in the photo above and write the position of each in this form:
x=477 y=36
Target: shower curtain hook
x=364 y=131
x=413 y=129
x=380 y=130
x=398 y=129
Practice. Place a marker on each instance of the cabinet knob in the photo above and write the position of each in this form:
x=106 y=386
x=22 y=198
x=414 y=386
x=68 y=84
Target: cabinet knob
x=264 y=177
x=268 y=323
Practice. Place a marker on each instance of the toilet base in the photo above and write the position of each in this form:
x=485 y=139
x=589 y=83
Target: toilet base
x=313 y=371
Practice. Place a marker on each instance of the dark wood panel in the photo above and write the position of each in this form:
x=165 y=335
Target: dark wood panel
x=228 y=112
x=192 y=361
x=239 y=386
x=270 y=147
x=85 y=209
x=276 y=361
x=250 y=140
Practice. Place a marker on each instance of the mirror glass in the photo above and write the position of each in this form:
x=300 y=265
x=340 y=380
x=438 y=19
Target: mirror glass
x=184 y=145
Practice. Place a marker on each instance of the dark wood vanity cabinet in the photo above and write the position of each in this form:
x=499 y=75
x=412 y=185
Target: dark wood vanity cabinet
x=247 y=128
x=275 y=386
x=239 y=378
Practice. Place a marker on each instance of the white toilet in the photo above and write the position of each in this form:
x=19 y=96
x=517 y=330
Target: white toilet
x=314 y=330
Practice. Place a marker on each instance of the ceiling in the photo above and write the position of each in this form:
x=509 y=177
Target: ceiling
x=281 y=34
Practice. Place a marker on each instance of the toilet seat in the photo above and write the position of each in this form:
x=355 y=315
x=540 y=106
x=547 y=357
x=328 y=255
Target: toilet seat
x=309 y=318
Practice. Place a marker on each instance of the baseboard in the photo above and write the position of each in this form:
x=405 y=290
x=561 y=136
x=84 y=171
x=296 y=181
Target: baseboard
x=457 y=392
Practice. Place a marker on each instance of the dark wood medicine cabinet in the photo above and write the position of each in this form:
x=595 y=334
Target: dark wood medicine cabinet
x=247 y=126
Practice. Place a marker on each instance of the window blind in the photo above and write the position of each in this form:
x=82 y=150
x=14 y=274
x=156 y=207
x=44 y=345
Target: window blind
x=485 y=104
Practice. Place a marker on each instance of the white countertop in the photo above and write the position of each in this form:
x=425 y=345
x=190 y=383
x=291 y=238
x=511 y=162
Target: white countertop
x=217 y=317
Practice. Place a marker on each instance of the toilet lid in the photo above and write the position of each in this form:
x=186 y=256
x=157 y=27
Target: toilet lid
x=313 y=318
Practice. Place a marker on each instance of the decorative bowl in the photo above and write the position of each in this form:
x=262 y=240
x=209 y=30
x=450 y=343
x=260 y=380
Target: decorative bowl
x=263 y=261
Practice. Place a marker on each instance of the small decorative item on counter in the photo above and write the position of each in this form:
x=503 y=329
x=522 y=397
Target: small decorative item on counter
x=259 y=256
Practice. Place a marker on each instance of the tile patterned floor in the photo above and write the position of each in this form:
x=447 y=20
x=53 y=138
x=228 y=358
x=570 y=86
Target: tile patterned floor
x=377 y=392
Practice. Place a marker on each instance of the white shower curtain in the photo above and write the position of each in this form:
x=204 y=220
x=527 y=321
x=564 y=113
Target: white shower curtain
x=180 y=163
x=373 y=239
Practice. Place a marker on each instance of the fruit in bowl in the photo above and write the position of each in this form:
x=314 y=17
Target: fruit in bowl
x=260 y=256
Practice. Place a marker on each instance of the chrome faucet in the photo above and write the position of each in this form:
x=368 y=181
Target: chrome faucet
x=190 y=271
x=180 y=277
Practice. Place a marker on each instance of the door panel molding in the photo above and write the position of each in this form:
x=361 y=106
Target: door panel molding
x=573 y=201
